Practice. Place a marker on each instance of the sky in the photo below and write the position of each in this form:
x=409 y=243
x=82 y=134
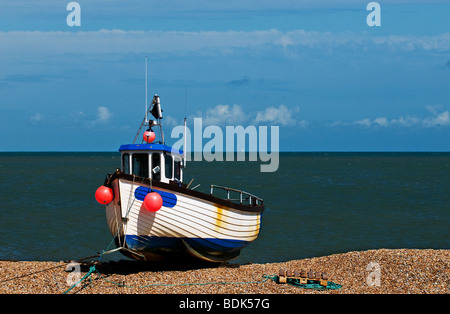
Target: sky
x=316 y=69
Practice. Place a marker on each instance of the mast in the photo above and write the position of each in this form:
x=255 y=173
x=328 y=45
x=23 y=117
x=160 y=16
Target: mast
x=145 y=120
x=156 y=111
x=146 y=110
x=184 y=135
x=184 y=146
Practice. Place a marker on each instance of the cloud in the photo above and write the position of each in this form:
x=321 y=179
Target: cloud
x=363 y=122
x=436 y=118
x=381 y=121
x=170 y=122
x=440 y=119
x=278 y=116
x=223 y=115
x=122 y=41
x=407 y=121
x=75 y=118
x=103 y=115
x=36 y=118
x=132 y=41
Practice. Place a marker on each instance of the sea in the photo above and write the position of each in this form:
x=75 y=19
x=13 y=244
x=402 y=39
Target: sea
x=316 y=204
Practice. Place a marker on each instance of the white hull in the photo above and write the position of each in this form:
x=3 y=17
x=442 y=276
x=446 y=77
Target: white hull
x=206 y=229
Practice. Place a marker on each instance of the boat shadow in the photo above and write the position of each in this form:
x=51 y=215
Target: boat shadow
x=127 y=267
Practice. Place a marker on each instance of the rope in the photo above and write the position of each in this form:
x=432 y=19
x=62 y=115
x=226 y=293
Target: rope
x=30 y=274
x=88 y=274
x=93 y=269
x=294 y=282
x=310 y=285
x=123 y=219
x=190 y=284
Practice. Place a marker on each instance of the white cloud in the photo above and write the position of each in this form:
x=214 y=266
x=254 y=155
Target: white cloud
x=78 y=118
x=36 y=118
x=278 y=116
x=440 y=119
x=436 y=119
x=223 y=115
x=126 y=41
x=381 y=121
x=363 y=122
x=103 y=114
x=407 y=121
x=170 y=122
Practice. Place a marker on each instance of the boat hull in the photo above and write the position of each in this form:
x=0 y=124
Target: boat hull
x=189 y=224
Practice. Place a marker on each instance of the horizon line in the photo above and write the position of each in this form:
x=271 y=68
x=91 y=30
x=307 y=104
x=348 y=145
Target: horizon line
x=281 y=151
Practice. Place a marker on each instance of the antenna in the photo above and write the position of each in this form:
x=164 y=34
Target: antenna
x=146 y=110
x=185 y=99
x=184 y=135
x=184 y=147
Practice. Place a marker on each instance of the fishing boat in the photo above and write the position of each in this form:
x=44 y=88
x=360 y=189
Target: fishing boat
x=155 y=216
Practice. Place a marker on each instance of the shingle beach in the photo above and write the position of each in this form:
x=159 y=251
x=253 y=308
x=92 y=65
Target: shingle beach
x=400 y=271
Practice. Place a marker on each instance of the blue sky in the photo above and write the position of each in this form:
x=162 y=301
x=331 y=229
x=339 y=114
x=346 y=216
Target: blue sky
x=315 y=68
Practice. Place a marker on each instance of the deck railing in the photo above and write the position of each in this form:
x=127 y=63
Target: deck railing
x=243 y=196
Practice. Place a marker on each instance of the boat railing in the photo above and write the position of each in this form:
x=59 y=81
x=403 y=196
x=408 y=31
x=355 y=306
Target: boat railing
x=243 y=196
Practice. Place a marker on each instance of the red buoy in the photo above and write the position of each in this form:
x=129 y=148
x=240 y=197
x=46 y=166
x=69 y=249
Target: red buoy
x=104 y=195
x=149 y=136
x=153 y=201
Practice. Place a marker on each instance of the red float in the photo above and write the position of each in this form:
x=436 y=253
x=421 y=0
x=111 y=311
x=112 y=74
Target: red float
x=153 y=201
x=104 y=195
x=149 y=136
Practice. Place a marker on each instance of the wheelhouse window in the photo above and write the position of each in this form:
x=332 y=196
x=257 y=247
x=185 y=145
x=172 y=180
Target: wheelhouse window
x=168 y=160
x=156 y=166
x=126 y=163
x=177 y=172
x=140 y=165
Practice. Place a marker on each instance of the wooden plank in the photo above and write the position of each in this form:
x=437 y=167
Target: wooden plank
x=303 y=277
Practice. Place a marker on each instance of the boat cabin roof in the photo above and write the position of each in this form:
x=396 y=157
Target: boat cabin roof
x=150 y=147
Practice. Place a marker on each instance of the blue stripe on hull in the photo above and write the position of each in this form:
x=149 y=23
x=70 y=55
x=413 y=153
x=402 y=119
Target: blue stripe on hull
x=169 y=199
x=222 y=245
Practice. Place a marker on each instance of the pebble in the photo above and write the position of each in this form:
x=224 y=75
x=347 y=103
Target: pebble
x=400 y=271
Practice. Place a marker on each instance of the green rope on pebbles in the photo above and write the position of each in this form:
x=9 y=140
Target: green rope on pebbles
x=294 y=282
x=92 y=269
x=310 y=285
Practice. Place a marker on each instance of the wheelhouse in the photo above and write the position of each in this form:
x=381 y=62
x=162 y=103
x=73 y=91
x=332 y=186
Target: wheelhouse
x=155 y=161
